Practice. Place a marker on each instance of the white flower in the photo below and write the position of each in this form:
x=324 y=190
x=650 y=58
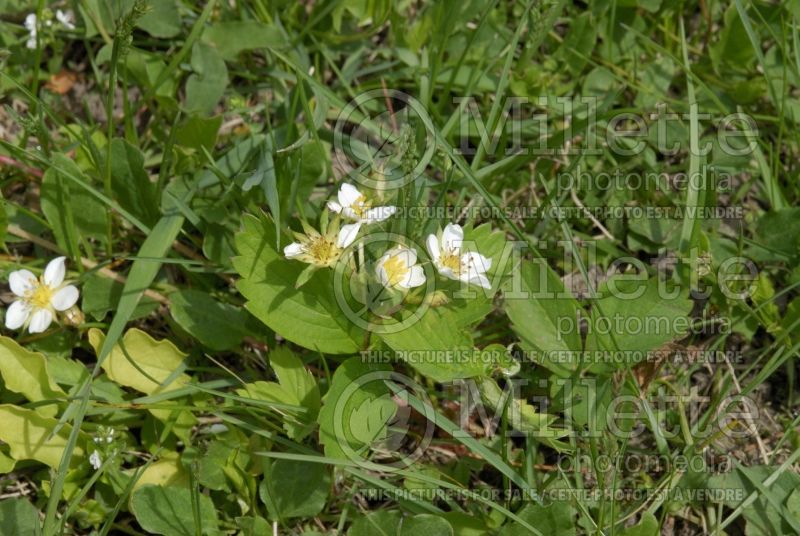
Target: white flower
x=318 y=249
x=65 y=18
x=446 y=254
x=354 y=206
x=398 y=268
x=39 y=299
x=31 y=26
x=95 y=459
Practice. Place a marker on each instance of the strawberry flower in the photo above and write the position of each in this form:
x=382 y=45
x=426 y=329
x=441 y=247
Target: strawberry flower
x=445 y=251
x=39 y=299
x=354 y=206
x=398 y=268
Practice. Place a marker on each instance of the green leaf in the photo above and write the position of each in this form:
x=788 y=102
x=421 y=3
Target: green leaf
x=647 y=526
x=162 y=19
x=380 y=523
x=199 y=132
x=141 y=362
x=354 y=394
x=132 y=186
x=218 y=326
x=28 y=435
x=206 y=86
x=25 y=372
x=295 y=488
x=557 y=519
x=544 y=315
x=71 y=210
x=101 y=294
x=297 y=387
x=168 y=511
x=638 y=316
x=307 y=316
x=232 y=37
x=294 y=377
x=19 y=517
x=427 y=524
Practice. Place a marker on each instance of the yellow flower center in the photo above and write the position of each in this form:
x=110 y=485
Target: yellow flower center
x=451 y=260
x=322 y=250
x=360 y=206
x=40 y=296
x=396 y=269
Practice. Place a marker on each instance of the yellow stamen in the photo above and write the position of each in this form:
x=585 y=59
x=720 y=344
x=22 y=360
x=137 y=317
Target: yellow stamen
x=451 y=260
x=40 y=296
x=361 y=206
x=396 y=269
x=323 y=250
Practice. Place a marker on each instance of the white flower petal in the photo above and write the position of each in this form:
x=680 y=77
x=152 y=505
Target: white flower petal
x=64 y=298
x=65 y=18
x=293 y=250
x=452 y=237
x=480 y=280
x=54 y=272
x=21 y=282
x=16 y=314
x=407 y=255
x=40 y=320
x=475 y=261
x=415 y=277
x=30 y=23
x=31 y=42
x=380 y=271
x=333 y=206
x=95 y=460
x=347 y=234
x=378 y=214
x=447 y=272
x=348 y=194
x=350 y=214
x=433 y=248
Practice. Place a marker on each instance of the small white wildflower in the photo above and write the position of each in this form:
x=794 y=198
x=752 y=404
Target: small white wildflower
x=39 y=299
x=445 y=251
x=355 y=206
x=398 y=268
x=31 y=26
x=321 y=249
x=95 y=459
x=65 y=18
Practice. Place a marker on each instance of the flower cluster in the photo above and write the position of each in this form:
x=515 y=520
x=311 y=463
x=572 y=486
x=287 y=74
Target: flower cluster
x=32 y=24
x=398 y=267
x=39 y=299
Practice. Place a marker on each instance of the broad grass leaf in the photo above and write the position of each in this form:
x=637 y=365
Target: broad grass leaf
x=307 y=316
x=26 y=373
x=167 y=510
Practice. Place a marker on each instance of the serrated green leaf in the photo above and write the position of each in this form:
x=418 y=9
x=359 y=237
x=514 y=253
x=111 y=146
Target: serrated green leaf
x=308 y=316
